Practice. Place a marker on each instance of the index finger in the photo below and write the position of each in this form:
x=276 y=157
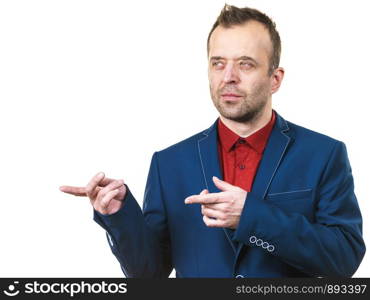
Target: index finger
x=74 y=190
x=81 y=191
x=205 y=198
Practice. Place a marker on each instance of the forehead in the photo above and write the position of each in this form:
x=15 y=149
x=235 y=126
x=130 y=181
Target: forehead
x=250 y=39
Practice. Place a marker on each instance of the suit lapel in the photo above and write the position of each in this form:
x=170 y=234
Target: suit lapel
x=210 y=164
x=272 y=155
x=276 y=146
x=274 y=152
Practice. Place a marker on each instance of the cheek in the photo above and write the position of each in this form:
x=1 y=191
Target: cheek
x=254 y=82
x=213 y=81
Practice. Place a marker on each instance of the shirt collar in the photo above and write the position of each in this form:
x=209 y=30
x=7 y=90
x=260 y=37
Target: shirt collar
x=257 y=140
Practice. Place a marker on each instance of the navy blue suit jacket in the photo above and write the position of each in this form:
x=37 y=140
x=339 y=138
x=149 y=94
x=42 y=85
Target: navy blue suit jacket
x=301 y=218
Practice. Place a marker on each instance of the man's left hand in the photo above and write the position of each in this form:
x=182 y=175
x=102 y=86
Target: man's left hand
x=221 y=209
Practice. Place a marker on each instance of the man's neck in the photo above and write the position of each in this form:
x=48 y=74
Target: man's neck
x=250 y=127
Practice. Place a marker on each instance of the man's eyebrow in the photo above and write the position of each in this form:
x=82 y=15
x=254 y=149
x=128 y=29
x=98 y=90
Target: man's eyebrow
x=216 y=58
x=247 y=58
x=244 y=57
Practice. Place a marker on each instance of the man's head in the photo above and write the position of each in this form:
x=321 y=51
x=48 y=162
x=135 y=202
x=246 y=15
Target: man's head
x=243 y=54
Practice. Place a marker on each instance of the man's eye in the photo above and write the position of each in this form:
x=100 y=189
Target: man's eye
x=246 y=65
x=217 y=64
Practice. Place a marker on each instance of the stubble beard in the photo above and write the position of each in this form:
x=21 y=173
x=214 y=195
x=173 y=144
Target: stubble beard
x=247 y=109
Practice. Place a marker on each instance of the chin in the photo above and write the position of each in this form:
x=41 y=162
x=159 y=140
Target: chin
x=240 y=118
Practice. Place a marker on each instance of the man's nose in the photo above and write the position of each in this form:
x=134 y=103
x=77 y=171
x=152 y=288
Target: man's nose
x=231 y=74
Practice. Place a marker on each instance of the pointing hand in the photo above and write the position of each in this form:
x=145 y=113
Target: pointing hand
x=106 y=195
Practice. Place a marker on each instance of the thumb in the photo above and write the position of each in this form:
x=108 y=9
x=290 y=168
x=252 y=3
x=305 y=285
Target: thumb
x=205 y=191
x=223 y=185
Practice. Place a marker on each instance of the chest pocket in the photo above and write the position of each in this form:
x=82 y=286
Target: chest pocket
x=299 y=201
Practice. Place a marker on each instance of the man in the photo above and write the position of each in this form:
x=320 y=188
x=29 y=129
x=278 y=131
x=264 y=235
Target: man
x=276 y=200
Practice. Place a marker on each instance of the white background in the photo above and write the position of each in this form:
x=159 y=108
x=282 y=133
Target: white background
x=88 y=86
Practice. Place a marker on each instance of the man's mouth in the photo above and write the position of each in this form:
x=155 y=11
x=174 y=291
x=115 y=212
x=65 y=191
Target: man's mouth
x=230 y=97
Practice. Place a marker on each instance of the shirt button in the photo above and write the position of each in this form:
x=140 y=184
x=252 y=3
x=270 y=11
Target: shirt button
x=241 y=167
x=241 y=141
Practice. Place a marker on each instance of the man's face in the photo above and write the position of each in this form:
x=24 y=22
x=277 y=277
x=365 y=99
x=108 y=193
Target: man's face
x=238 y=65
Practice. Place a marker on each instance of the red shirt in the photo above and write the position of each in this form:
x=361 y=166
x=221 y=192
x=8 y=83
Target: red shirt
x=239 y=156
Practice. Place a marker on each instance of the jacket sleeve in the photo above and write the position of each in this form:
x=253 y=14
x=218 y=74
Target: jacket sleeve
x=331 y=245
x=140 y=239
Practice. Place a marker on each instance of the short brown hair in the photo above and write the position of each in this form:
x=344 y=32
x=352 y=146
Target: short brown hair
x=232 y=15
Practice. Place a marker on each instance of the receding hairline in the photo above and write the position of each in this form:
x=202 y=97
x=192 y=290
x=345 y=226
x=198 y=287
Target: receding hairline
x=234 y=16
x=248 y=22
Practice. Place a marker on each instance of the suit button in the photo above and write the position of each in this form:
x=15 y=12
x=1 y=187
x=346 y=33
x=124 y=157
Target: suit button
x=259 y=242
x=270 y=248
x=239 y=276
x=252 y=239
x=265 y=245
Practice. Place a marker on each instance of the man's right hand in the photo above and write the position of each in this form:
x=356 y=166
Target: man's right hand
x=106 y=195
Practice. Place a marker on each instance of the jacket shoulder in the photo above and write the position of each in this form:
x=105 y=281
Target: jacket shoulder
x=186 y=144
x=311 y=137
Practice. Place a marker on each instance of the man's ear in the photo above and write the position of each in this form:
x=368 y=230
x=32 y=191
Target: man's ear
x=277 y=77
